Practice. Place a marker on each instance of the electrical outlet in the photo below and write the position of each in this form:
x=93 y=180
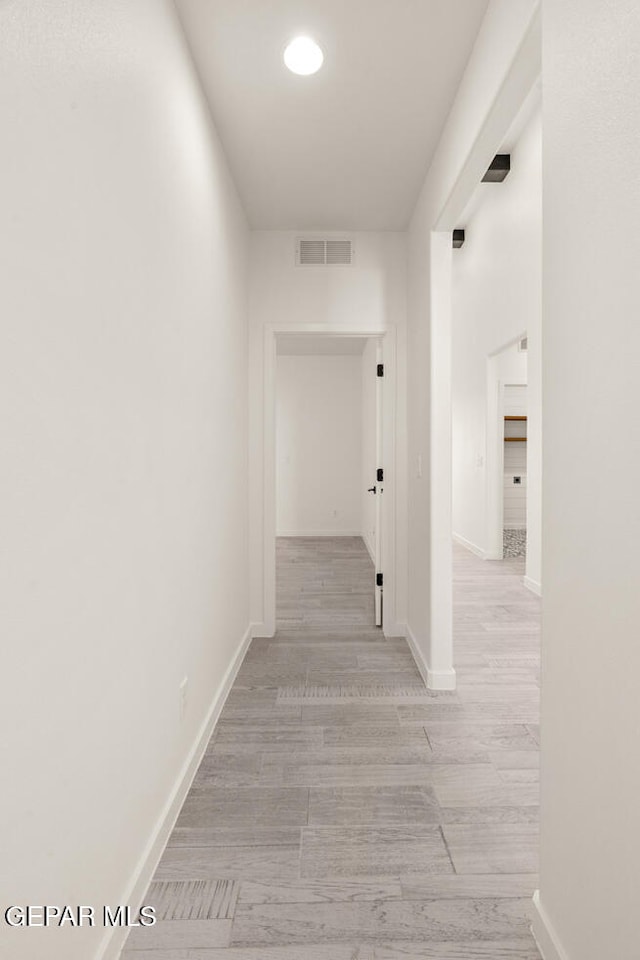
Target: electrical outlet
x=182 y=697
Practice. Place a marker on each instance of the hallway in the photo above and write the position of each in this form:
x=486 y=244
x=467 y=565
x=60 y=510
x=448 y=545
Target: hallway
x=241 y=292
x=341 y=811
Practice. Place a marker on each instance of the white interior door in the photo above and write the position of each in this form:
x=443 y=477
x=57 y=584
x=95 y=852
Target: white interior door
x=379 y=487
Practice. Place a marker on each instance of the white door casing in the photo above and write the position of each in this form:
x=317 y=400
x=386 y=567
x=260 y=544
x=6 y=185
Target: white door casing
x=385 y=504
x=379 y=485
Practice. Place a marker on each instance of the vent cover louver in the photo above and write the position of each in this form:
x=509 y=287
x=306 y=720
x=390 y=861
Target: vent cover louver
x=324 y=252
x=338 y=251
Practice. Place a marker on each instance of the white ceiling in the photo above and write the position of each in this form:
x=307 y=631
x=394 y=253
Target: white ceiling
x=309 y=345
x=347 y=148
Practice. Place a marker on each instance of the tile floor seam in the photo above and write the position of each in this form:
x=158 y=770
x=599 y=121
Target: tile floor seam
x=446 y=845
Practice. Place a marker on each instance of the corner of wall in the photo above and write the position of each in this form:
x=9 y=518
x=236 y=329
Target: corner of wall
x=544 y=934
x=533 y=585
x=473 y=547
x=433 y=679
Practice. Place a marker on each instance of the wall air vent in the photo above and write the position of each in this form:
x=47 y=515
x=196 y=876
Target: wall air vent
x=324 y=253
x=311 y=251
x=339 y=251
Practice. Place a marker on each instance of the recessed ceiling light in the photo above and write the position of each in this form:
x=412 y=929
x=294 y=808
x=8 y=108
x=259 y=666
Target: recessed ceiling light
x=303 y=56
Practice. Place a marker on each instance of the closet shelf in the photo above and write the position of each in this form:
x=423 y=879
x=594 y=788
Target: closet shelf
x=509 y=419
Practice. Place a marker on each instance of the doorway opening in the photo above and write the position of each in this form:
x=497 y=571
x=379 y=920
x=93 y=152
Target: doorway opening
x=329 y=535
x=507 y=433
x=328 y=454
x=514 y=526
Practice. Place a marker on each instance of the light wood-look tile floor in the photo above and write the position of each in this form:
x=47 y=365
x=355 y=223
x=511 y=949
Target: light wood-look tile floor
x=341 y=811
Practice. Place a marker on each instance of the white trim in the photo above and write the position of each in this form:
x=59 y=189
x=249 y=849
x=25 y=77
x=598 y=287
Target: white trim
x=545 y=936
x=433 y=679
x=329 y=329
x=479 y=552
x=494 y=454
x=533 y=585
x=113 y=940
x=378 y=511
x=440 y=627
x=319 y=533
x=388 y=336
x=441 y=679
x=421 y=663
x=494 y=459
x=269 y=508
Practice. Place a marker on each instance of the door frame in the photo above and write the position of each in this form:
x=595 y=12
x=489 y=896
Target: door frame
x=521 y=82
x=387 y=338
x=378 y=485
x=494 y=460
x=494 y=454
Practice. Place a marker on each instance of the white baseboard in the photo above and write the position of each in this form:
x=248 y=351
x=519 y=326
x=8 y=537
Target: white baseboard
x=441 y=679
x=421 y=663
x=545 y=936
x=319 y=533
x=262 y=629
x=115 y=937
x=434 y=679
x=533 y=585
x=474 y=548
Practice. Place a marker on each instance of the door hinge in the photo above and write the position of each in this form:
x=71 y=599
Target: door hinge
x=378 y=579
x=379 y=474
x=380 y=370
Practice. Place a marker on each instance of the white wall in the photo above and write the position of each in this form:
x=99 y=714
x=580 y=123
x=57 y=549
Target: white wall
x=499 y=76
x=515 y=397
x=124 y=484
x=319 y=445
x=590 y=846
x=370 y=295
x=515 y=494
x=369 y=458
x=497 y=288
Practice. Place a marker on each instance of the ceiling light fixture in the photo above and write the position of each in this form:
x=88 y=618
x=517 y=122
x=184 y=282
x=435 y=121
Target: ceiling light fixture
x=303 y=56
